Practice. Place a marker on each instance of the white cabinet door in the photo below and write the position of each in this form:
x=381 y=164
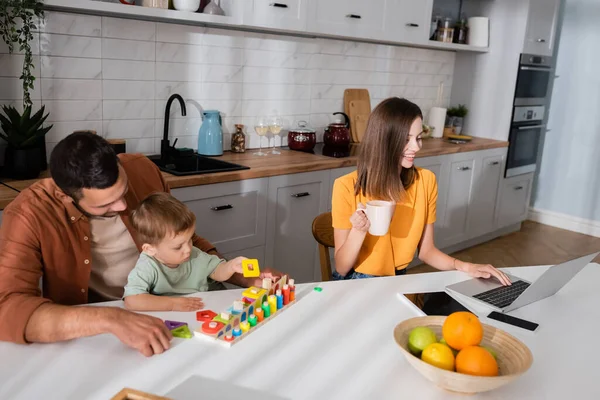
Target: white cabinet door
x=439 y=165
x=253 y=252
x=408 y=21
x=294 y=201
x=488 y=174
x=350 y=18
x=460 y=187
x=334 y=174
x=231 y=215
x=541 y=27
x=287 y=15
x=514 y=200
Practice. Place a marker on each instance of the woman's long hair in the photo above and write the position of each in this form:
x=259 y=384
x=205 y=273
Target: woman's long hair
x=381 y=151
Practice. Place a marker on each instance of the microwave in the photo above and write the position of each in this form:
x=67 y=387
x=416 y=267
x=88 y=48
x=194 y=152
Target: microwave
x=533 y=80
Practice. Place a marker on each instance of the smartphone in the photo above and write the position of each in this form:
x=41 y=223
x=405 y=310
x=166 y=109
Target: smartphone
x=518 y=322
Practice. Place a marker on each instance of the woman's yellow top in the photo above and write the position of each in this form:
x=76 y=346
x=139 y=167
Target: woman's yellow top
x=382 y=255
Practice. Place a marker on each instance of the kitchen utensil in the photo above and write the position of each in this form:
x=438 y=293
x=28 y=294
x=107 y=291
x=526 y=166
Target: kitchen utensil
x=164 y=4
x=460 y=137
x=361 y=121
x=356 y=95
x=337 y=134
x=514 y=358
x=437 y=120
x=359 y=107
x=302 y=137
x=186 y=5
x=380 y=213
x=210 y=137
x=213 y=8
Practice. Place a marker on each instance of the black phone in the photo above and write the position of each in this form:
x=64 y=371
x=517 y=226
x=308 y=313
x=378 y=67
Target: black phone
x=518 y=322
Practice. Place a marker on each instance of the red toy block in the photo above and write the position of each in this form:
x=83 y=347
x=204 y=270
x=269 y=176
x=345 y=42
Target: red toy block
x=205 y=315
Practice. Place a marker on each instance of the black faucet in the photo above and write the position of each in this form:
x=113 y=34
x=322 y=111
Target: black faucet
x=164 y=143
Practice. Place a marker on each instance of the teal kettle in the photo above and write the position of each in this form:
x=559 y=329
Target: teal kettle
x=210 y=137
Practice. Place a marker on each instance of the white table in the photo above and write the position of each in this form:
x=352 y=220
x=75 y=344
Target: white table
x=332 y=344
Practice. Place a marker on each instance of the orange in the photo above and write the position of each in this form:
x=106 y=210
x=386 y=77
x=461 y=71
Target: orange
x=439 y=355
x=462 y=329
x=475 y=360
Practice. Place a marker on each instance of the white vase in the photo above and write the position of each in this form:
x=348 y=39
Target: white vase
x=213 y=8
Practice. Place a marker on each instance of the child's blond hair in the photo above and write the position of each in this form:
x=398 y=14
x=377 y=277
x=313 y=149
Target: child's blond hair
x=160 y=215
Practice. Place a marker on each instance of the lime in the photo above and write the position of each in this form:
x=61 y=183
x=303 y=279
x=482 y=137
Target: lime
x=454 y=351
x=419 y=338
x=492 y=352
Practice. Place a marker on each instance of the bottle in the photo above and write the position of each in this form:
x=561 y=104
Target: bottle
x=238 y=140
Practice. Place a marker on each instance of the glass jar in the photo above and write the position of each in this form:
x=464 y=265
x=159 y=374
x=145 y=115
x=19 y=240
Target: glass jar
x=445 y=32
x=238 y=140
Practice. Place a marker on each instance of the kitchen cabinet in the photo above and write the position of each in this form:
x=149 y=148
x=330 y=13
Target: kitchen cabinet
x=349 y=18
x=294 y=201
x=231 y=215
x=488 y=175
x=408 y=21
x=289 y=15
x=514 y=198
x=542 y=20
x=460 y=187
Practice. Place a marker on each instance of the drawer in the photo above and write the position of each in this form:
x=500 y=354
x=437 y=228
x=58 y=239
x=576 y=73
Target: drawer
x=514 y=200
x=354 y=18
x=231 y=215
x=280 y=14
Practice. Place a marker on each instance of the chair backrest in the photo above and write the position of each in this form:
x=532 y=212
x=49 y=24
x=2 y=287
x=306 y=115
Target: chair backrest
x=322 y=230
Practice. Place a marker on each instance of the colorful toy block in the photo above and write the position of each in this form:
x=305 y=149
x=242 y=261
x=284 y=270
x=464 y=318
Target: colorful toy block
x=250 y=268
x=173 y=324
x=228 y=329
x=205 y=315
x=182 y=332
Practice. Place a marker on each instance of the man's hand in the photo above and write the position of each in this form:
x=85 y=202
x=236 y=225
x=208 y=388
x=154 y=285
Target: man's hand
x=146 y=334
x=265 y=273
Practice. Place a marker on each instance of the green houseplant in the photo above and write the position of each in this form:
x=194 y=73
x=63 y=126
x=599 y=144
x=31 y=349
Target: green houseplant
x=18 y=22
x=23 y=132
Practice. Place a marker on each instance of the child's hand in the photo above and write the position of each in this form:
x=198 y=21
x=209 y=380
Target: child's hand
x=186 y=303
x=235 y=265
x=359 y=219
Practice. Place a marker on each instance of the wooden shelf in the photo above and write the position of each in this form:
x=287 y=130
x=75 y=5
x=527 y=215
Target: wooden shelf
x=138 y=12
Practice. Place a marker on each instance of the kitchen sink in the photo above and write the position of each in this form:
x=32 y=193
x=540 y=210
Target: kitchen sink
x=194 y=165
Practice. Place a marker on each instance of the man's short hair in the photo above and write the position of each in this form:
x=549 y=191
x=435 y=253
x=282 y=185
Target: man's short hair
x=83 y=160
x=159 y=216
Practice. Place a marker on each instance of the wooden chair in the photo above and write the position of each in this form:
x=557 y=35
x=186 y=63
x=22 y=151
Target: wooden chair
x=322 y=230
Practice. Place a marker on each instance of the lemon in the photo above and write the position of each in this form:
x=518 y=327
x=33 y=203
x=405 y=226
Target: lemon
x=439 y=355
x=419 y=338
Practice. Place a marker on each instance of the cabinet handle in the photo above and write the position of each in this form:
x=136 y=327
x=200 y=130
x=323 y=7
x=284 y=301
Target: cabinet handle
x=541 y=40
x=280 y=5
x=463 y=168
x=519 y=188
x=494 y=163
x=221 y=208
x=412 y=25
x=303 y=194
x=522 y=128
x=355 y=16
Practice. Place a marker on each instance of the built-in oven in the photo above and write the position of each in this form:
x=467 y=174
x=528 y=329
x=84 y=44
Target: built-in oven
x=533 y=80
x=525 y=132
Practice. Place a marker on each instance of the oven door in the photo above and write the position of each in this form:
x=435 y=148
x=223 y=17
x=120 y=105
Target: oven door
x=523 y=148
x=532 y=85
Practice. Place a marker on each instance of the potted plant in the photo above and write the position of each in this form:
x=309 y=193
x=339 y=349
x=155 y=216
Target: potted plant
x=18 y=22
x=460 y=113
x=23 y=133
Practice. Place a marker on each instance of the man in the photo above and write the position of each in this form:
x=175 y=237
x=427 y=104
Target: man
x=73 y=231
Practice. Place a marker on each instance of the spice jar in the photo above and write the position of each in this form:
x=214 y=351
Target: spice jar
x=238 y=140
x=445 y=31
x=460 y=32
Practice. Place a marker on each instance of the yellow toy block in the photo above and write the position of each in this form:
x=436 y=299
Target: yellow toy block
x=254 y=293
x=251 y=268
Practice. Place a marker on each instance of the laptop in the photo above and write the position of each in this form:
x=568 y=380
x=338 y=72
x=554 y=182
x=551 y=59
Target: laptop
x=521 y=292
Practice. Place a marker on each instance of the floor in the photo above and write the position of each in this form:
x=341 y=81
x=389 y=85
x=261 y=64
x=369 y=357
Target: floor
x=534 y=244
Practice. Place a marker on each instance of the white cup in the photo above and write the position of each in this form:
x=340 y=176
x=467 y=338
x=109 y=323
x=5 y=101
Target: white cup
x=379 y=213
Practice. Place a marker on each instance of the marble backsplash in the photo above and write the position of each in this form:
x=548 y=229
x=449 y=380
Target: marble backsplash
x=114 y=76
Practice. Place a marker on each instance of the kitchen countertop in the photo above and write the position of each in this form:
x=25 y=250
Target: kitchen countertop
x=333 y=344
x=289 y=162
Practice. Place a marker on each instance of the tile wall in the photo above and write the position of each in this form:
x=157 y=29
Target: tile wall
x=114 y=76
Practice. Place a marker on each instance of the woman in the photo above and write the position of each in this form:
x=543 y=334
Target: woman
x=386 y=171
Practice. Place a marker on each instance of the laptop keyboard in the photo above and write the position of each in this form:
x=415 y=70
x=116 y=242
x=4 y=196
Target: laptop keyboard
x=504 y=295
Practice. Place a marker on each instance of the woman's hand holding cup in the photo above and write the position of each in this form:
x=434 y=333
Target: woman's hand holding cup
x=359 y=219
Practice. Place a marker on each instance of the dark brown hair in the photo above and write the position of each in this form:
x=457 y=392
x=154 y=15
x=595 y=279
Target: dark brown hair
x=381 y=151
x=160 y=215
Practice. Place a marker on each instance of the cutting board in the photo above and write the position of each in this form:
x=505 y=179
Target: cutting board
x=359 y=115
x=359 y=95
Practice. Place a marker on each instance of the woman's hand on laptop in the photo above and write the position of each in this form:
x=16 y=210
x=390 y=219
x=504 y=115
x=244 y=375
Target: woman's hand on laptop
x=482 y=271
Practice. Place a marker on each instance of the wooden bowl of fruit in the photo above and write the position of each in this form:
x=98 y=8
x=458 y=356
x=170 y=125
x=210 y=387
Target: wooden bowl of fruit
x=460 y=354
